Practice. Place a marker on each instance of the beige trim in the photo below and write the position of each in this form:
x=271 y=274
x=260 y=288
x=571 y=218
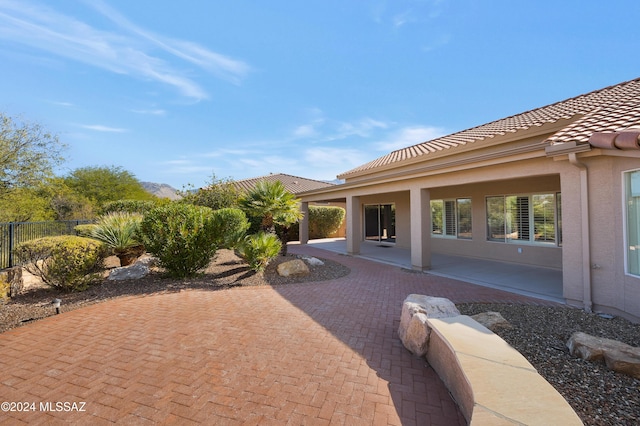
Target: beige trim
x=586 y=245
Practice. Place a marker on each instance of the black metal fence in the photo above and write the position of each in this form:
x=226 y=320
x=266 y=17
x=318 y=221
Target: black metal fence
x=14 y=233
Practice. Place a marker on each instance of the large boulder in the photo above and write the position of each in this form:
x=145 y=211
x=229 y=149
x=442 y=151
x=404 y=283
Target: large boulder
x=132 y=272
x=293 y=267
x=413 y=330
x=618 y=356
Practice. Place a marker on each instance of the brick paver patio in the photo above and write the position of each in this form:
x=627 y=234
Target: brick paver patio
x=317 y=353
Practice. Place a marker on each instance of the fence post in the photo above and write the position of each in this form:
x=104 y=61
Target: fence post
x=10 y=244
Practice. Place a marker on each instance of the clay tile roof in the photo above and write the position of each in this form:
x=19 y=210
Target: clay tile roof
x=293 y=184
x=613 y=108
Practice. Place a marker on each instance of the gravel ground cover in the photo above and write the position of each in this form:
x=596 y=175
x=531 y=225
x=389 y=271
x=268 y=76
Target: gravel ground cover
x=599 y=396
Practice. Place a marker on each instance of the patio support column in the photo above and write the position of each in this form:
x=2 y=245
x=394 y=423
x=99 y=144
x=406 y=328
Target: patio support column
x=354 y=224
x=304 y=223
x=420 y=206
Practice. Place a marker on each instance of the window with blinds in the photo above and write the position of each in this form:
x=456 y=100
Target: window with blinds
x=451 y=218
x=524 y=218
x=517 y=218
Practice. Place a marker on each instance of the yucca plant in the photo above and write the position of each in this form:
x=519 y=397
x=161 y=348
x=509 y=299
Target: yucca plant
x=119 y=231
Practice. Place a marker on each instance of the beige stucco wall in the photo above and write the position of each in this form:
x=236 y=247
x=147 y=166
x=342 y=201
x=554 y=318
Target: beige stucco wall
x=612 y=289
x=524 y=253
x=521 y=182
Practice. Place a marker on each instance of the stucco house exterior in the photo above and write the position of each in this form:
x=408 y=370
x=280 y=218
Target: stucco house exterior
x=555 y=187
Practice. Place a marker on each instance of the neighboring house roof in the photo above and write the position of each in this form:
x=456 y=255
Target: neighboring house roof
x=293 y=184
x=613 y=108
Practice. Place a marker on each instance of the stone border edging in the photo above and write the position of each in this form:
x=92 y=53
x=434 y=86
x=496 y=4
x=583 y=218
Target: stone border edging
x=492 y=382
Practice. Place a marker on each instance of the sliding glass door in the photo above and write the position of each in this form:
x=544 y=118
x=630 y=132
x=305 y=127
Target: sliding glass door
x=380 y=222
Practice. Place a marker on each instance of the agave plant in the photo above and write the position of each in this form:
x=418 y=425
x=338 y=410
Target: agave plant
x=119 y=231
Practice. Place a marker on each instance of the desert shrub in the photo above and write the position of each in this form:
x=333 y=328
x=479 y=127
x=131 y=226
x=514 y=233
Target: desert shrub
x=67 y=262
x=230 y=227
x=129 y=206
x=84 y=230
x=324 y=220
x=181 y=236
x=259 y=249
x=120 y=232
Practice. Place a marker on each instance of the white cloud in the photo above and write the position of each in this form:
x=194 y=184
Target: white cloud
x=305 y=131
x=101 y=128
x=61 y=103
x=160 y=112
x=339 y=159
x=130 y=52
x=408 y=136
x=437 y=42
x=362 y=128
x=322 y=129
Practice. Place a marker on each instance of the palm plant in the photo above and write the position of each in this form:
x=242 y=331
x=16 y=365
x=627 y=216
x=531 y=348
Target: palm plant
x=119 y=231
x=274 y=205
x=259 y=249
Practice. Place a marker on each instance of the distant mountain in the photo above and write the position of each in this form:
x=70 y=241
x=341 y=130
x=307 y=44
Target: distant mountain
x=161 y=190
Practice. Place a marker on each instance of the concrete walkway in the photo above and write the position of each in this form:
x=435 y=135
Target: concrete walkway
x=317 y=353
x=539 y=282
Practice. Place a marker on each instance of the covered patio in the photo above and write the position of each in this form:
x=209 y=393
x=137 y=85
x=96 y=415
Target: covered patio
x=539 y=282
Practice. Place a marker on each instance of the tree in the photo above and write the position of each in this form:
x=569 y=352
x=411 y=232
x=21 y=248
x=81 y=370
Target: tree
x=103 y=184
x=63 y=202
x=273 y=205
x=217 y=194
x=28 y=154
x=24 y=205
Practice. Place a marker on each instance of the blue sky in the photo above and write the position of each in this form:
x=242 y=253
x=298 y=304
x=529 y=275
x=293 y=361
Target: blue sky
x=177 y=91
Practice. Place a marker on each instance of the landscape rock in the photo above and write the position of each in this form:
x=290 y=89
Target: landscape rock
x=413 y=330
x=313 y=261
x=133 y=272
x=492 y=320
x=618 y=356
x=293 y=267
x=148 y=261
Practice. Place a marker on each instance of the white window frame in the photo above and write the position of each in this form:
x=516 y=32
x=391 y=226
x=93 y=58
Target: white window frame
x=531 y=238
x=450 y=230
x=626 y=222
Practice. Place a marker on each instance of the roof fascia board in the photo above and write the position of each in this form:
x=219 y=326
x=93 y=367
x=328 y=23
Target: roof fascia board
x=489 y=159
x=545 y=131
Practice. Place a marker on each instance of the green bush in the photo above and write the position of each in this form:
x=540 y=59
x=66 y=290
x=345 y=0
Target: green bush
x=67 y=262
x=324 y=220
x=259 y=249
x=181 y=236
x=230 y=227
x=120 y=232
x=129 y=206
x=84 y=230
